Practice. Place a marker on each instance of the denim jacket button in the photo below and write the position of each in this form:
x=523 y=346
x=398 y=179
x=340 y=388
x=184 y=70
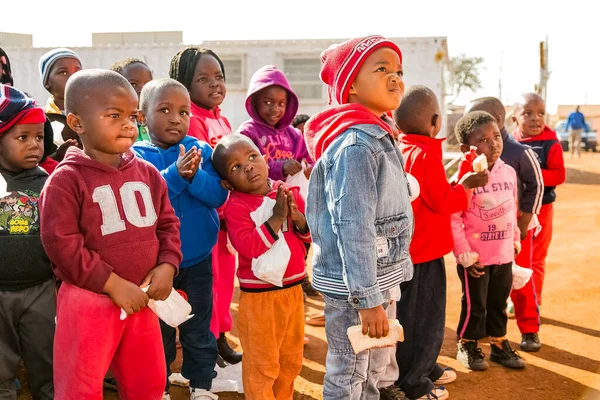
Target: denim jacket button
x=356 y=301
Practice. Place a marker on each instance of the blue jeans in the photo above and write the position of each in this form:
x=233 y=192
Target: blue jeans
x=197 y=341
x=350 y=376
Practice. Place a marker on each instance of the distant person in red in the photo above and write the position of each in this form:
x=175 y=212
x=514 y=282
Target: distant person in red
x=532 y=130
x=109 y=230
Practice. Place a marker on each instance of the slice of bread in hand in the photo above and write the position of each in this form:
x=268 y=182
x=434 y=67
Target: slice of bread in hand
x=362 y=342
x=480 y=163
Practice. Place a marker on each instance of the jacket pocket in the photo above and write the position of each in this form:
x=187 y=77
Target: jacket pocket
x=392 y=239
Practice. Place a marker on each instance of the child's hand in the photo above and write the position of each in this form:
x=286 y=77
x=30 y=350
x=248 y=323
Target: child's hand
x=185 y=161
x=62 y=149
x=160 y=279
x=124 y=294
x=291 y=167
x=197 y=160
x=475 y=270
x=474 y=180
x=307 y=171
x=297 y=217
x=374 y=322
x=281 y=208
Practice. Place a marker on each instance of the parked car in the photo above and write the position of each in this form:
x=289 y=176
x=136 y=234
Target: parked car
x=589 y=138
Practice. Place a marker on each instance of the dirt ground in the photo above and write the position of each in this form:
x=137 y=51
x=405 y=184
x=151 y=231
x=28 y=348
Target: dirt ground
x=568 y=365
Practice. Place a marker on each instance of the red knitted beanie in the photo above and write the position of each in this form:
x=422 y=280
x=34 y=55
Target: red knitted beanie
x=341 y=63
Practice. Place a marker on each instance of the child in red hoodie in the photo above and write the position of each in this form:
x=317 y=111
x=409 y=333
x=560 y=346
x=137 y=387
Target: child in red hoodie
x=202 y=72
x=531 y=129
x=271 y=318
x=420 y=119
x=109 y=230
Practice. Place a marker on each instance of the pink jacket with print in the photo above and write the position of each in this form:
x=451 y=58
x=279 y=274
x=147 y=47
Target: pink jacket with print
x=489 y=226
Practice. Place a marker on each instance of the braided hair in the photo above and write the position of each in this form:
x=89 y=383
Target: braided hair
x=184 y=63
x=120 y=65
x=5 y=72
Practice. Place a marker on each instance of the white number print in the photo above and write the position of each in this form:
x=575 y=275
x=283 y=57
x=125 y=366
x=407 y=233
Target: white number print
x=111 y=219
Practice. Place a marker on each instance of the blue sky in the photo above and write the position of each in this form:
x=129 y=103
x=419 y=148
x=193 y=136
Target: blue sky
x=507 y=38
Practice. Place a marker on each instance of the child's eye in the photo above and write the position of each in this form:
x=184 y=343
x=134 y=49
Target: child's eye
x=113 y=116
x=22 y=138
x=235 y=167
x=202 y=79
x=40 y=138
x=282 y=104
x=400 y=73
x=381 y=69
x=252 y=157
x=133 y=84
x=164 y=110
x=185 y=113
x=220 y=77
x=133 y=117
x=63 y=73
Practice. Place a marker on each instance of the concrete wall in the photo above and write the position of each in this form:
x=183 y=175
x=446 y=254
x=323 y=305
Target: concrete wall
x=422 y=60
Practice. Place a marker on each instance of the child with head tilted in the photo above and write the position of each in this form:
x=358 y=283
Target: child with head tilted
x=109 y=230
x=195 y=192
x=27 y=301
x=531 y=130
x=486 y=240
x=270 y=318
x=420 y=119
x=202 y=72
x=272 y=106
x=138 y=74
x=358 y=208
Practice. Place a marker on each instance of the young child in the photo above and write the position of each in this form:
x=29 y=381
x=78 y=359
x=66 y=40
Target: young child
x=358 y=209
x=486 y=238
x=195 y=192
x=270 y=318
x=531 y=187
x=56 y=67
x=420 y=118
x=202 y=72
x=27 y=300
x=6 y=77
x=138 y=74
x=531 y=130
x=299 y=121
x=272 y=106
x=109 y=230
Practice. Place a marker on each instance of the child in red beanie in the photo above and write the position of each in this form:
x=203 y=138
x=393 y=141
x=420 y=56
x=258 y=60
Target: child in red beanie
x=358 y=209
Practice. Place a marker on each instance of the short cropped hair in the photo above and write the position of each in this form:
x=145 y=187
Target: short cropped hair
x=81 y=86
x=120 y=65
x=470 y=122
x=218 y=155
x=155 y=86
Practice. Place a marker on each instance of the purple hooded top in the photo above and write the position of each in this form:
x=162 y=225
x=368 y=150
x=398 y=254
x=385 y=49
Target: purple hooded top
x=283 y=141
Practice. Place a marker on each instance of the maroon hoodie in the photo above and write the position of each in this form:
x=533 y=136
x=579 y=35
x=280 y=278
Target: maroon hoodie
x=97 y=219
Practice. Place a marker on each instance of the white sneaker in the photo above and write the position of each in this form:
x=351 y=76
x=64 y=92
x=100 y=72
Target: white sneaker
x=166 y=396
x=438 y=393
x=447 y=377
x=510 y=308
x=202 y=394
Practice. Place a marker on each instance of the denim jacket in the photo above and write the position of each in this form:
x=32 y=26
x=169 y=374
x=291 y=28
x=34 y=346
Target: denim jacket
x=360 y=217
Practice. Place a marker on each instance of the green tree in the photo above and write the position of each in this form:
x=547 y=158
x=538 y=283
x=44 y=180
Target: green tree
x=464 y=74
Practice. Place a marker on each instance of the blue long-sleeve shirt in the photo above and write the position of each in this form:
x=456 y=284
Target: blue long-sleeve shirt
x=575 y=121
x=195 y=201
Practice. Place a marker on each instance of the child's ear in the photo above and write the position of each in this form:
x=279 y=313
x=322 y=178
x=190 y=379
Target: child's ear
x=141 y=117
x=352 y=90
x=465 y=148
x=226 y=185
x=514 y=120
x=74 y=123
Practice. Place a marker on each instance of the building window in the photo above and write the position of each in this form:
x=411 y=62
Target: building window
x=234 y=71
x=303 y=74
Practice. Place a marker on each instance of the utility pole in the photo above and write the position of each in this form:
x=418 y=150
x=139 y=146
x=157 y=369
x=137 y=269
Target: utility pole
x=500 y=77
x=542 y=86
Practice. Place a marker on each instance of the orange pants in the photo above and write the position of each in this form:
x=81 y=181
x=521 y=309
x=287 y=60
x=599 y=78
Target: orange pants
x=271 y=331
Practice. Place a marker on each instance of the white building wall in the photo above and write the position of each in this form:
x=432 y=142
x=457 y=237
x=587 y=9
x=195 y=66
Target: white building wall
x=421 y=61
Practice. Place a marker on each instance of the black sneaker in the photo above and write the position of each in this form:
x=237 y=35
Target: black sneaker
x=530 y=342
x=392 y=392
x=226 y=352
x=307 y=287
x=471 y=356
x=506 y=356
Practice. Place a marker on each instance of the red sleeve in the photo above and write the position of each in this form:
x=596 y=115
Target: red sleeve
x=554 y=174
x=248 y=239
x=436 y=192
x=198 y=129
x=305 y=237
x=167 y=228
x=62 y=238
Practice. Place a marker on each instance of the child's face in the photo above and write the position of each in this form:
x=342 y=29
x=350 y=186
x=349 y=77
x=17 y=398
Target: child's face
x=108 y=124
x=138 y=75
x=270 y=104
x=246 y=170
x=60 y=73
x=488 y=140
x=22 y=147
x=208 y=84
x=379 y=85
x=530 y=117
x=168 y=116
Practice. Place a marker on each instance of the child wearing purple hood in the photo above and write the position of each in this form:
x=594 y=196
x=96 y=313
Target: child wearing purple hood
x=272 y=106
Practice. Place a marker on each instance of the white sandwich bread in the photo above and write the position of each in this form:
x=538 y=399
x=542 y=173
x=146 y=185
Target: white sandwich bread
x=362 y=342
x=480 y=163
